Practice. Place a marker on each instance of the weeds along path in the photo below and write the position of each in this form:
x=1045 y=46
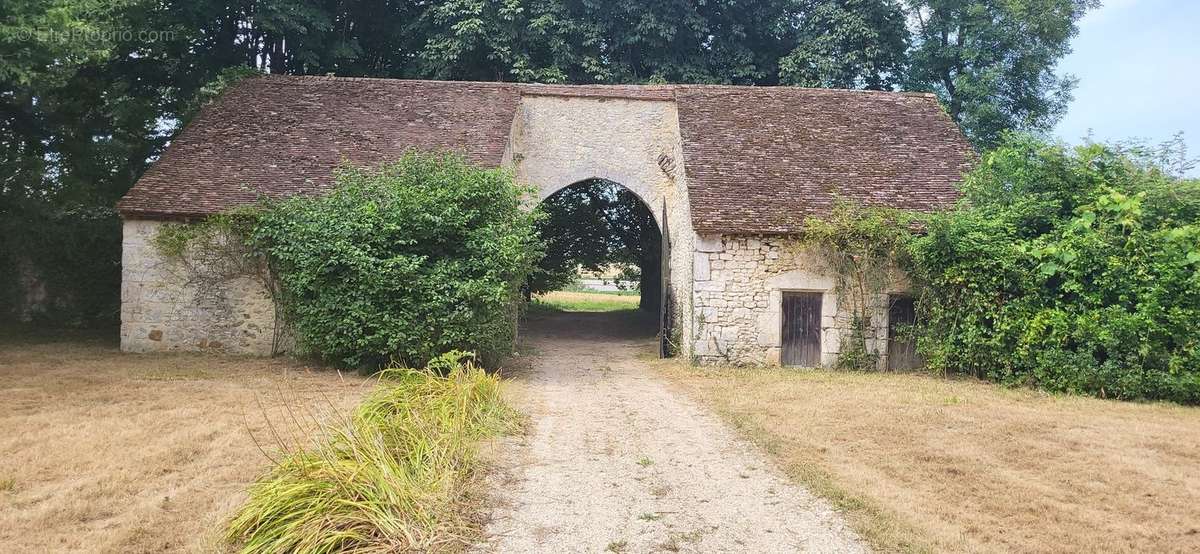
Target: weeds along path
x=616 y=461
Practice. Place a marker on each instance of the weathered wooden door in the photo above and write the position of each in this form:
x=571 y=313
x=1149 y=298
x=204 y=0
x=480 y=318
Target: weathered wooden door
x=801 y=329
x=665 y=319
x=902 y=349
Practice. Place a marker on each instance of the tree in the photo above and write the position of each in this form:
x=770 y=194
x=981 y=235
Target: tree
x=593 y=224
x=92 y=90
x=992 y=61
x=848 y=44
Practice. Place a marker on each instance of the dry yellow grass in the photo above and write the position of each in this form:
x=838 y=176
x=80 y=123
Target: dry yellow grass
x=921 y=463
x=111 y=452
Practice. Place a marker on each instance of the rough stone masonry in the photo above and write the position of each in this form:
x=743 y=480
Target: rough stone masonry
x=731 y=172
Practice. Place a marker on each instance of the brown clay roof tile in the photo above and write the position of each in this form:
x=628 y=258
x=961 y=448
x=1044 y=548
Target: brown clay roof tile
x=757 y=159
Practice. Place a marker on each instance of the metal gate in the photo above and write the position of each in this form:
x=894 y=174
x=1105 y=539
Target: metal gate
x=801 y=329
x=665 y=317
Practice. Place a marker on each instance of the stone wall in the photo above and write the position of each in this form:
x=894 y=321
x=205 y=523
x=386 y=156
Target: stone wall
x=737 y=300
x=559 y=140
x=167 y=305
x=555 y=141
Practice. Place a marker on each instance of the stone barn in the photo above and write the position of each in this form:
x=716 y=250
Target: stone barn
x=729 y=172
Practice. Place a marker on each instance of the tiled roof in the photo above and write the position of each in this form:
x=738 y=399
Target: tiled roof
x=757 y=159
x=761 y=160
x=278 y=136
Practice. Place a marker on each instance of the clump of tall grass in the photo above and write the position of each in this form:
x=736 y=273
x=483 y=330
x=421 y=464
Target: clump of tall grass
x=395 y=476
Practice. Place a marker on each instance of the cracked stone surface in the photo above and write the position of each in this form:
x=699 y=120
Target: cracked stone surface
x=615 y=460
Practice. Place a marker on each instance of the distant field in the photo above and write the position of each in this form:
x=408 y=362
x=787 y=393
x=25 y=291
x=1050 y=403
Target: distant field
x=569 y=301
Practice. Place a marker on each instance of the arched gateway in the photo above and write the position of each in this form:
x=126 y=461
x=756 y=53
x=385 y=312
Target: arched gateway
x=730 y=174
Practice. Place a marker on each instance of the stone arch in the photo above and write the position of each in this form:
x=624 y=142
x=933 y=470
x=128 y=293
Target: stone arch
x=558 y=141
x=545 y=192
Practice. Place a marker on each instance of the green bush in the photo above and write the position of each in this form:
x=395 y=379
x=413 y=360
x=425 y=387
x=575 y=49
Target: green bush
x=71 y=251
x=401 y=263
x=1070 y=269
x=395 y=478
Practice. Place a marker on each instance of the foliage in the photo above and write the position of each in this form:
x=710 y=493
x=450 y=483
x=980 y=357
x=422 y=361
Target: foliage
x=1070 y=269
x=848 y=44
x=91 y=91
x=35 y=235
x=592 y=224
x=992 y=61
x=861 y=245
x=400 y=263
x=396 y=477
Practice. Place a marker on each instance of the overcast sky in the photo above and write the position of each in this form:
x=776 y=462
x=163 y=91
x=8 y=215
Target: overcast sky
x=1138 y=64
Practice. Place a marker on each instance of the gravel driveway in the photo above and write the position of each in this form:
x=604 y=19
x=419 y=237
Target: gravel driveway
x=616 y=461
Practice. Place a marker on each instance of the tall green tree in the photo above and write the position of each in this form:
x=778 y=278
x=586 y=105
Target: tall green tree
x=92 y=90
x=591 y=225
x=992 y=61
x=848 y=44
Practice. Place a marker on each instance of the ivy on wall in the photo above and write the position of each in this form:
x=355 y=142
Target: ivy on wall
x=860 y=245
x=397 y=264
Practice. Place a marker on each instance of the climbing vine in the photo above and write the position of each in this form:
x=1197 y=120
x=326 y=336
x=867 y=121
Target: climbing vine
x=860 y=246
x=397 y=264
x=209 y=254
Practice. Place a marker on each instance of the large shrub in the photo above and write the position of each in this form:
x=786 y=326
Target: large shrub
x=1070 y=269
x=402 y=262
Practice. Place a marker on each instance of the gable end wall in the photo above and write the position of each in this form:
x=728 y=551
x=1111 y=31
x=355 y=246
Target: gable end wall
x=165 y=307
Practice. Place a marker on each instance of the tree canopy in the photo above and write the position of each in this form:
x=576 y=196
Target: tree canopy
x=595 y=223
x=91 y=91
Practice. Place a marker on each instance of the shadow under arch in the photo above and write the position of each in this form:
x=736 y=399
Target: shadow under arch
x=594 y=223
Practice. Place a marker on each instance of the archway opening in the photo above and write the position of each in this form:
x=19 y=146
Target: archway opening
x=603 y=251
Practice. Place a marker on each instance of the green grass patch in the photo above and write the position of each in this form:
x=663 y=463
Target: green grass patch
x=399 y=475
x=576 y=287
x=566 y=301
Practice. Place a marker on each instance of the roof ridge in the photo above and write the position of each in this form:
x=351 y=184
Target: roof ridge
x=650 y=87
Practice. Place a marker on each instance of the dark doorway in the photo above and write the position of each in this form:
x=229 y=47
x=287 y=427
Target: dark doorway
x=902 y=348
x=801 y=329
x=601 y=239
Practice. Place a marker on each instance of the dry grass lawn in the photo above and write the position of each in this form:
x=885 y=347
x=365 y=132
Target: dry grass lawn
x=921 y=463
x=111 y=452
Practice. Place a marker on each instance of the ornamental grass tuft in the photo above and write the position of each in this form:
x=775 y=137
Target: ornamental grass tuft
x=397 y=475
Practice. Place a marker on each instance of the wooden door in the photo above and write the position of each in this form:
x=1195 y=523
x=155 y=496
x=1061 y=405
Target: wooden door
x=801 y=329
x=902 y=348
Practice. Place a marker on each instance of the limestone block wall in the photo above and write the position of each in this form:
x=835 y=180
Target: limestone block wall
x=737 y=300
x=166 y=307
x=559 y=140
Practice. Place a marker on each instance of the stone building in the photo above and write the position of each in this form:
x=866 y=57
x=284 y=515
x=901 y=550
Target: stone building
x=729 y=172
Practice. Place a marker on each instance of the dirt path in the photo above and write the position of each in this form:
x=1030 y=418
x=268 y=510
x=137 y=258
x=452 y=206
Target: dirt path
x=617 y=461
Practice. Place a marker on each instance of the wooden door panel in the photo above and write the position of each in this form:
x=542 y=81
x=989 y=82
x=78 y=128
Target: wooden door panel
x=801 y=329
x=902 y=350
